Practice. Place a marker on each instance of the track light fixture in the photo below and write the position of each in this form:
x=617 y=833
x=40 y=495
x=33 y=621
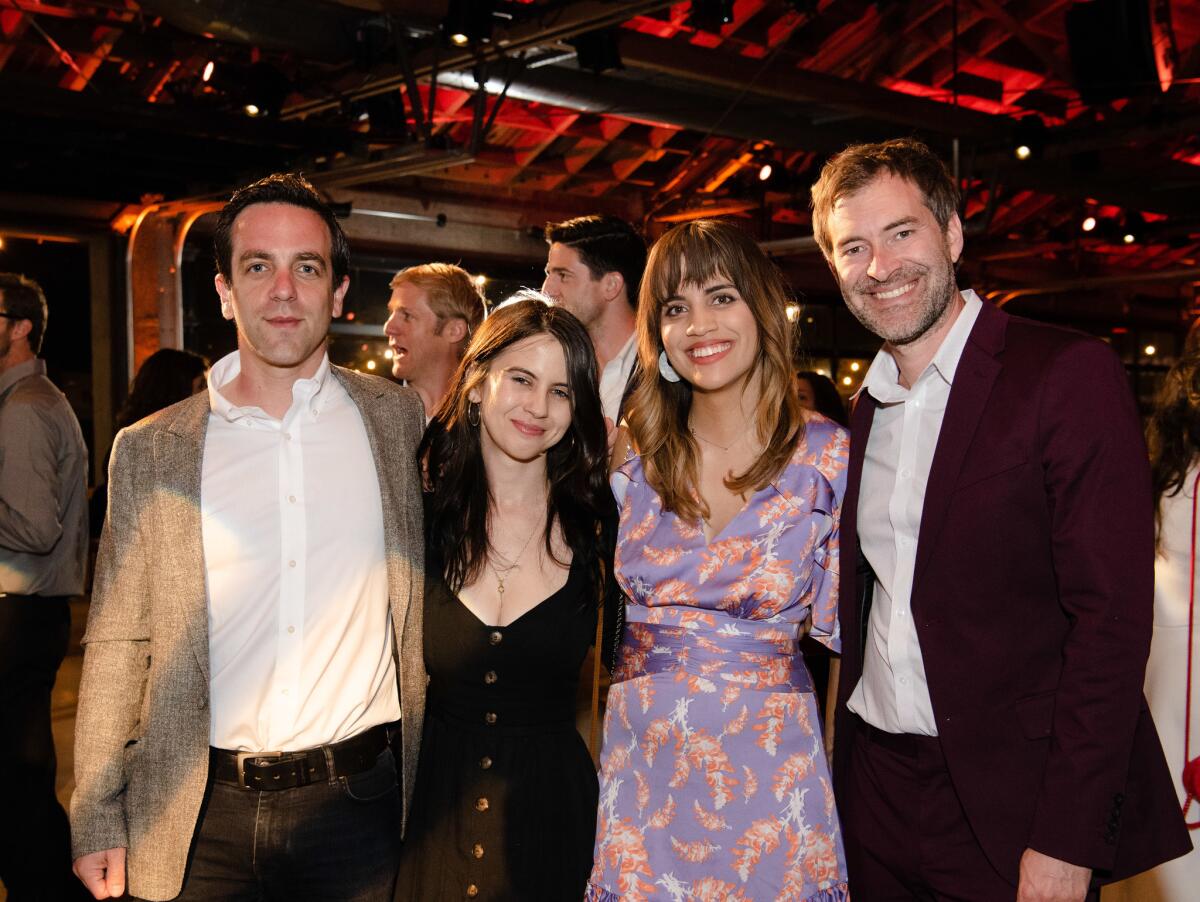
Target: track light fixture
x=1029 y=138
x=710 y=15
x=468 y=22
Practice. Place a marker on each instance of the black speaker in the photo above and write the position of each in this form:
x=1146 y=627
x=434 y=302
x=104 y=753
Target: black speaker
x=1112 y=55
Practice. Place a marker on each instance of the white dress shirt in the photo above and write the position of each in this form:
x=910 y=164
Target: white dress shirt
x=893 y=694
x=615 y=376
x=300 y=637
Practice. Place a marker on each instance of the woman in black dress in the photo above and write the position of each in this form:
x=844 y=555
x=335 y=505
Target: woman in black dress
x=520 y=525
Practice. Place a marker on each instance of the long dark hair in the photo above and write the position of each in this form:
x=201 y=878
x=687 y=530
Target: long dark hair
x=1174 y=430
x=166 y=376
x=459 y=501
x=825 y=395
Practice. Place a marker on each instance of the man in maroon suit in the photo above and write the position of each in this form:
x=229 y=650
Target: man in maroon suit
x=992 y=741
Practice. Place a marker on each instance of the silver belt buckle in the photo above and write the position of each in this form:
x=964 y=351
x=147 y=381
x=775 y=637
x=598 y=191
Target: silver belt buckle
x=243 y=757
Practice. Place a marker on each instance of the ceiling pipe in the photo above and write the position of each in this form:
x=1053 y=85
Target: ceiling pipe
x=576 y=19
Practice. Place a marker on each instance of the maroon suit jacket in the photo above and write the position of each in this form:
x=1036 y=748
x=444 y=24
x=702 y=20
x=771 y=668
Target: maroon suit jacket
x=1032 y=597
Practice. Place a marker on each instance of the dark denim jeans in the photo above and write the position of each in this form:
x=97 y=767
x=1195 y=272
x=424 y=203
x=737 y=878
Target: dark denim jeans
x=337 y=841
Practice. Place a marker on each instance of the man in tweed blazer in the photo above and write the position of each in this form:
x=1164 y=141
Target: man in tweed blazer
x=253 y=652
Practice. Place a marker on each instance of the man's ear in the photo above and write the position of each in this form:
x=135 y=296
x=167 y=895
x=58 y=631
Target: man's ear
x=611 y=285
x=454 y=329
x=20 y=328
x=954 y=237
x=339 y=296
x=225 y=292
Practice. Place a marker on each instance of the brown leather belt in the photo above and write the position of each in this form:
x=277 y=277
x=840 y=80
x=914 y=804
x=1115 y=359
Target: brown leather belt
x=286 y=770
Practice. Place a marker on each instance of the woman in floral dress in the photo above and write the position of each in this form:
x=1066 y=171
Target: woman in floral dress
x=713 y=780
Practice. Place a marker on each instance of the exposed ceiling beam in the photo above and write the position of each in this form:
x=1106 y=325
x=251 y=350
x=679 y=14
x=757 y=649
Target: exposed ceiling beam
x=575 y=19
x=782 y=82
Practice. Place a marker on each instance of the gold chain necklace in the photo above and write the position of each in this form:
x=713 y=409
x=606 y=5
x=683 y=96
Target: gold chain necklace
x=502 y=572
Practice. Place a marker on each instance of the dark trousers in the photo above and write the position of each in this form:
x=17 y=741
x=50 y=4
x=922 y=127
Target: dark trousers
x=337 y=841
x=35 y=842
x=906 y=834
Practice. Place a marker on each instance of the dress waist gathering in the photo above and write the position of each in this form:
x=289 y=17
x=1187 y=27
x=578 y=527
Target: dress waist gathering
x=761 y=656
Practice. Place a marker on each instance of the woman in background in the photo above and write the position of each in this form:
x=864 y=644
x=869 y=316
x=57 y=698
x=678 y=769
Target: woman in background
x=1174 y=439
x=713 y=781
x=817 y=392
x=520 y=528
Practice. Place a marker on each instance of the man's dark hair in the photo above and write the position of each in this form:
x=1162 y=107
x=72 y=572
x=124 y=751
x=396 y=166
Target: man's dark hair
x=280 y=188
x=605 y=244
x=23 y=299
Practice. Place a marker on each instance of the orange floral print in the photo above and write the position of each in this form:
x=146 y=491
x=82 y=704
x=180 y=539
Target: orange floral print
x=711 y=701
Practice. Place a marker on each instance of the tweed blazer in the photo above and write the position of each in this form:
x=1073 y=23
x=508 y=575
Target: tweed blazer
x=142 y=730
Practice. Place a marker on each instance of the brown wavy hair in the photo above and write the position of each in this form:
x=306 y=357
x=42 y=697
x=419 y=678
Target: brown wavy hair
x=694 y=253
x=1173 y=433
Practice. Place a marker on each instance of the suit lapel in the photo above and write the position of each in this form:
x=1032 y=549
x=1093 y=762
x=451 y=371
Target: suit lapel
x=178 y=462
x=858 y=598
x=395 y=534
x=973 y=380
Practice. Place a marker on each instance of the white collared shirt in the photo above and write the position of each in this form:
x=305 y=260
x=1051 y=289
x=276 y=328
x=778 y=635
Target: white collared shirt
x=893 y=694
x=300 y=637
x=615 y=376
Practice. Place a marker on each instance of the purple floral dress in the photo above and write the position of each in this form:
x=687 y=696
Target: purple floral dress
x=713 y=779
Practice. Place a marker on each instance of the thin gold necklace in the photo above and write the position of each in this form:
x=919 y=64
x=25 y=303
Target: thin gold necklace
x=502 y=572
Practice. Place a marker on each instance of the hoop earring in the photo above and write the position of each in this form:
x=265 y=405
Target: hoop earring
x=665 y=369
x=473 y=414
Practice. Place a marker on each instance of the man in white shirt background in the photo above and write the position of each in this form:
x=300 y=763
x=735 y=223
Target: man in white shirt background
x=992 y=742
x=253 y=650
x=434 y=310
x=594 y=268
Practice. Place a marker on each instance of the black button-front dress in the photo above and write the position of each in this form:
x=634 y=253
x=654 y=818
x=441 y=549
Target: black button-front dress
x=506 y=793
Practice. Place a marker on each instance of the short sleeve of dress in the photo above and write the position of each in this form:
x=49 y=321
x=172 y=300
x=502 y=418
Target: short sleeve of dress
x=828 y=451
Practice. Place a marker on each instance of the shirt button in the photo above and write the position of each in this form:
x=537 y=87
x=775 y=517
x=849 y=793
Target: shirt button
x=495 y=637
x=489 y=677
x=903 y=681
x=485 y=763
x=481 y=804
x=472 y=891
x=292 y=564
x=477 y=850
x=489 y=718
x=291 y=629
x=900 y=612
x=287 y=436
x=905 y=473
x=292 y=499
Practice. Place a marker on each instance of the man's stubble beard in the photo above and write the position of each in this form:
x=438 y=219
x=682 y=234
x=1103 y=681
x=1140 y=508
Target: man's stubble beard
x=938 y=295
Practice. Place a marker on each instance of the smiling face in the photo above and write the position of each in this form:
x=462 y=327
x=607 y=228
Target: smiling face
x=893 y=261
x=280 y=291
x=524 y=400
x=710 y=334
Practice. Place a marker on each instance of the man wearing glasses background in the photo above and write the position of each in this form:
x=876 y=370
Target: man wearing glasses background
x=43 y=555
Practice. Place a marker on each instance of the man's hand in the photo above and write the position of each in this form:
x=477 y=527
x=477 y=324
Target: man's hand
x=1046 y=879
x=103 y=873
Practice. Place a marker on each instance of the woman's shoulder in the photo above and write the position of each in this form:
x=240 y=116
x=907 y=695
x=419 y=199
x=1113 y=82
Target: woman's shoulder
x=824 y=446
